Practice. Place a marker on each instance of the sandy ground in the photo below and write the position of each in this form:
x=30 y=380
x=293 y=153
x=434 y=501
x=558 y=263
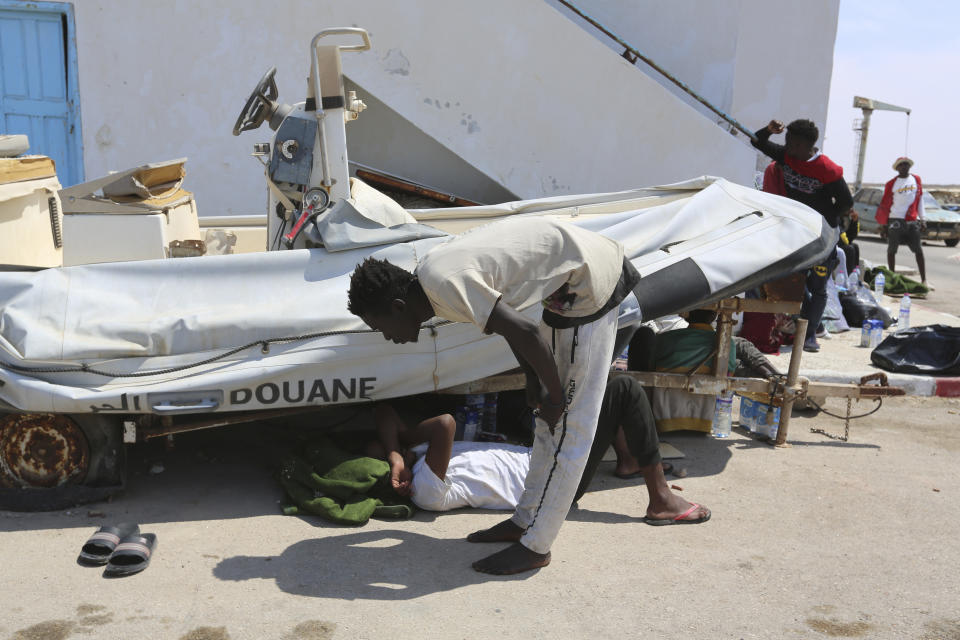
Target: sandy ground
x=823 y=539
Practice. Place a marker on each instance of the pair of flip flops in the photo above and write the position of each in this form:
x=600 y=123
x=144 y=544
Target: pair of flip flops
x=122 y=548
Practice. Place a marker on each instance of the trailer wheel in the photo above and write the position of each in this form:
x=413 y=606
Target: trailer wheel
x=51 y=461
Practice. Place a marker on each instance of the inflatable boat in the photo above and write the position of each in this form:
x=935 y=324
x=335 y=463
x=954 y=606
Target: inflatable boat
x=271 y=329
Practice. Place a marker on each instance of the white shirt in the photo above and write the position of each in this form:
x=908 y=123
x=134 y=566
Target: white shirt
x=904 y=193
x=484 y=475
x=522 y=260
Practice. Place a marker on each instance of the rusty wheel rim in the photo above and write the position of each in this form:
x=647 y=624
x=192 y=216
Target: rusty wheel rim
x=41 y=450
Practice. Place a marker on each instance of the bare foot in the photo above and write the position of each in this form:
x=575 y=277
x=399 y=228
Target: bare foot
x=514 y=559
x=679 y=512
x=506 y=531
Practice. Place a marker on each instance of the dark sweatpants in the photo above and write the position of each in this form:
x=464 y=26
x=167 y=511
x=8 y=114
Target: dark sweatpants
x=815 y=298
x=624 y=405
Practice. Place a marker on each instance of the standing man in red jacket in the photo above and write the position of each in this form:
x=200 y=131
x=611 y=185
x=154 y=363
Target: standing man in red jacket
x=804 y=174
x=901 y=215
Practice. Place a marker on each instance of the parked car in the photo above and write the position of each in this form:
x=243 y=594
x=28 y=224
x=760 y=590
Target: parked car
x=942 y=224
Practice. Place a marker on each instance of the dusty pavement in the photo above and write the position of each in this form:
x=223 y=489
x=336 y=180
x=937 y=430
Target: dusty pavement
x=824 y=539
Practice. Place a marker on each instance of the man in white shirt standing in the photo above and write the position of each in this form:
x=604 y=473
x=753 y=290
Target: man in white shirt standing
x=901 y=214
x=486 y=276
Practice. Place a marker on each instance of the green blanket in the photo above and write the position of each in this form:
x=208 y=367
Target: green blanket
x=894 y=283
x=340 y=487
x=687 y=348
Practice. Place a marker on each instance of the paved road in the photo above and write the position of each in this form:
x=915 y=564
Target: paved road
x=943 y=269
x=824 y=539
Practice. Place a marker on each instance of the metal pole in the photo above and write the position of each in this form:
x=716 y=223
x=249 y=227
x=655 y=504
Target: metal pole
x=724 y=331
x=791 y=385
x=666 y=74
x=862 y=153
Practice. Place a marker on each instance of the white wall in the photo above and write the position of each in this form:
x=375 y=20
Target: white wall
x=518 y=91
x=753 y=59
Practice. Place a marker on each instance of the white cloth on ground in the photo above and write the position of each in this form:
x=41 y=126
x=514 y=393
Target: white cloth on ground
x=484 y=475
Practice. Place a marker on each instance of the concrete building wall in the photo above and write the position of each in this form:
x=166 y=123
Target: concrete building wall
x=754 y=59
x=535 y=104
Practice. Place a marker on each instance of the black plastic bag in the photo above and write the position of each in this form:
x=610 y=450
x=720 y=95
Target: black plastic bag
x=859 y=305
x=933 y=348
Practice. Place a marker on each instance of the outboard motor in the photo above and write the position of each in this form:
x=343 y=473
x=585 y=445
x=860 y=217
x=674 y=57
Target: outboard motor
x=306 y=163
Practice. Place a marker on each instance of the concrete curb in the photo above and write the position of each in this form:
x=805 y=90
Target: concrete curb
x=914 y=385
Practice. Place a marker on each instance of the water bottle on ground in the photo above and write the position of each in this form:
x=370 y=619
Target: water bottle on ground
x=771 y=419
x=878 y=284
x=876 y=333
x=460 y=417
x=489 y=424
x=903 y=320
x=722 y=415
x=853 y=280
x=471 y=425
x=865 y=333
x=473 y=415
x=748 y=415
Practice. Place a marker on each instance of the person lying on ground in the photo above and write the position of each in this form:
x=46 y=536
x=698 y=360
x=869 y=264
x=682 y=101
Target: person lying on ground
x=490 y=475
x=486 y=276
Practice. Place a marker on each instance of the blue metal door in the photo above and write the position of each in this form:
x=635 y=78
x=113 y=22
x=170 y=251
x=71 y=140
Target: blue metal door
x=38 y=88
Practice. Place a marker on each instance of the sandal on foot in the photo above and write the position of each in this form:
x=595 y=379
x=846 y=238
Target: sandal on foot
x=680 y=519
x=97 y=549
x=131 y=556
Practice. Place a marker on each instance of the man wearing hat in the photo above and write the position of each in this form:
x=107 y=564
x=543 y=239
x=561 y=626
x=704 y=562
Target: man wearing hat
x=901 y=214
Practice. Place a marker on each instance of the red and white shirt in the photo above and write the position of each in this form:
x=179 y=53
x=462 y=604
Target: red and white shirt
x=902 y=199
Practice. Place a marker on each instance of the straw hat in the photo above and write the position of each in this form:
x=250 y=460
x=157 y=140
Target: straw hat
x=902 y=159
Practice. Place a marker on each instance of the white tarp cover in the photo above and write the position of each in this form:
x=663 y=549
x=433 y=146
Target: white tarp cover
x=151 y=316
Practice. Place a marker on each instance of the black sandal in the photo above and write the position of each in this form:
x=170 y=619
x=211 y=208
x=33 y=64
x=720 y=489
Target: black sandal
x=131 y=556
x=96 y=552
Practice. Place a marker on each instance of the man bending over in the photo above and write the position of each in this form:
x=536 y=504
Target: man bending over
x=486 y=276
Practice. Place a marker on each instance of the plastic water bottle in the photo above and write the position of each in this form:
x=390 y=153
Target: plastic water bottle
x=865 y=333
x=903 y=320
x=853 y=280
x=489 y=423
x=876 y=333
x=748 y=415
x=771 y=419
x=722 y=415
x=471 y=424
x=472 y=415
x=878 y=283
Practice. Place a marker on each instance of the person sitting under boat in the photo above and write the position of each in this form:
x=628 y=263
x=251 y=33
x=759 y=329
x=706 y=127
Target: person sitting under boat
x=440 y=474
x=691 y=350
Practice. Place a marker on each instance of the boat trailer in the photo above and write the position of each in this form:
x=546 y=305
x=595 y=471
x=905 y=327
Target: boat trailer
x=784 y=391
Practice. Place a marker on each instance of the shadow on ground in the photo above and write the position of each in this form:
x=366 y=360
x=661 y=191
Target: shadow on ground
x=228 y=473
x=367 y=565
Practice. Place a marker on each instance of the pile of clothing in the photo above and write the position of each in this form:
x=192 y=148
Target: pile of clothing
x=326 y=481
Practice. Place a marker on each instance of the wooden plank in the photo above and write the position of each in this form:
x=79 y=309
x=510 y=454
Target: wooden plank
x=26 y=168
